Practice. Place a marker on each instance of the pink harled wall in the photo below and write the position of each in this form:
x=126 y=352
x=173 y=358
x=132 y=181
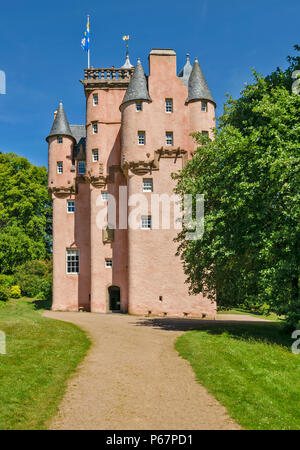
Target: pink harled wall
x=107 y=141
x=156 y=281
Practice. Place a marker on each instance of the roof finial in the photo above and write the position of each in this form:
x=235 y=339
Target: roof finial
x=127 y=64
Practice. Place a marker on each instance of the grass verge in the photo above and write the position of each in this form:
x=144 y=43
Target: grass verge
x=250 y=369
x=41 y=355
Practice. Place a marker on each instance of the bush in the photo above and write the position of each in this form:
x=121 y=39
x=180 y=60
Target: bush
x=3 y=294
x=6 y=280
x=15 y=291
x=29 y=277
x=45 y=288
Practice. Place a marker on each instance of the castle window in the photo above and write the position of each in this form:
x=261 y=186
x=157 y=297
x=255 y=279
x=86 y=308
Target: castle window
x=141 y=137
x=204 y=133
x=169 y=105
x=72 y=261
x=203 y=106
x=147 y=185
x=59 y=139
x=81 y=167
x=169 y=138
x=95 y=128
x=108 y=263
x=71 y=206
x=104 y=196
x=139 y=106
x=146 y=222
x=95 y=99
x=60 y=167
x=95 y=155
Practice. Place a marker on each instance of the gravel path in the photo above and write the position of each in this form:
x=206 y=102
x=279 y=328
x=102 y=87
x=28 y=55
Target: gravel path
x=133 y=378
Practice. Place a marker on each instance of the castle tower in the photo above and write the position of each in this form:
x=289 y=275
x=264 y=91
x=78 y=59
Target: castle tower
x=137 y=133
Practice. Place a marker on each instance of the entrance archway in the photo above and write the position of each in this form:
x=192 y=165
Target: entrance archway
x=114 y=298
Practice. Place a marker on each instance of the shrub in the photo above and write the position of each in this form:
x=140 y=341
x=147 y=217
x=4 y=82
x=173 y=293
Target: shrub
x=15 y=291
x=29 y=277
x=45 y=288
x=3 y=294
x=6 y=280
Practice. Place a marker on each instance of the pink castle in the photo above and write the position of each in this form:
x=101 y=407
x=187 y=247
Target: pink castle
x=137 y=134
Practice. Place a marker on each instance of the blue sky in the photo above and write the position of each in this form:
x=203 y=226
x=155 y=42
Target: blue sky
x=41 y=55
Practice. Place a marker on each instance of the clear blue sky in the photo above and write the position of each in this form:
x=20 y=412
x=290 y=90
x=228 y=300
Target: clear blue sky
x=41 y=54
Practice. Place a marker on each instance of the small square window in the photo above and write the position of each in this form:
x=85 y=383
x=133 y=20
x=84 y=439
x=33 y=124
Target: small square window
x=141 y=137
x=169 y=138
x=60 y=167
x=95 y=99
x=71 y=206
x=203 y=106
x=147 y=185
x=72 y=260
x=81 y=167
x=139 y=106
x=59 y=140
x=95 y=128
x=95 y=155
x=104 y=196
x=204 y=133
x=146 y=222
x=108 y=263
x=169 y=105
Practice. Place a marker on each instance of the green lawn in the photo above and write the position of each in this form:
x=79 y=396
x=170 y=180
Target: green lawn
x=250 y=369
x=243 y=311
x=41 y=354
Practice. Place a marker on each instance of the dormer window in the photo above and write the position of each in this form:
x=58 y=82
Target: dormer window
x=139 y=106
x=141 y=137
x=59 y=140
x=95 y=99
x=95 y=128
x=169 y=105
x=169 y=138
x=203 y=106
x=81 y=167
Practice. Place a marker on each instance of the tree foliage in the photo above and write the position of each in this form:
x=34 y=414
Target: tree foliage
x=25 y=212
x=249 y=175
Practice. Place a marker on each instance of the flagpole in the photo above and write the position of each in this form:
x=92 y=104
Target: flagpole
x=89 y=43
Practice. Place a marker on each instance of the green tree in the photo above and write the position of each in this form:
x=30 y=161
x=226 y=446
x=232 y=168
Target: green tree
x=25 y=212
x=249 y=175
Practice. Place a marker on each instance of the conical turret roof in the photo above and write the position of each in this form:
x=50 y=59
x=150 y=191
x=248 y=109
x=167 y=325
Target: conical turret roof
x=197 y=86
x=61 y=125
x=137 y=89
x=186 y=71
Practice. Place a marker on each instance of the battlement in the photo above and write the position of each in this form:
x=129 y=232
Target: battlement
x=103 y=78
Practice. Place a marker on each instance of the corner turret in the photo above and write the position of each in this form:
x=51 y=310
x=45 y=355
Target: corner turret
x=197 y=85
x=137 y=89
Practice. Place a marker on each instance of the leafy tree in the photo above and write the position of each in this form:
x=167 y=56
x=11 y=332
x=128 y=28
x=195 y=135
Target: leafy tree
x=25 y=212
x=249 y=254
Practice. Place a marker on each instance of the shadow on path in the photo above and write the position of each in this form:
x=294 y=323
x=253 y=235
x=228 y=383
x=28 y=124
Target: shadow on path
x=268 y=332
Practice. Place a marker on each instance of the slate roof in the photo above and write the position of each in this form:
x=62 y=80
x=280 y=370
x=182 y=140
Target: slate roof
x=197 y=85
x=137 y=88
x=60 y=125
x=185 y=73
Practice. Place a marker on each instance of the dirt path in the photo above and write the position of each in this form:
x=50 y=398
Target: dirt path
x=133 y=378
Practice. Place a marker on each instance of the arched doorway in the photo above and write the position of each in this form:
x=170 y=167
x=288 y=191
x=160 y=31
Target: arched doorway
x=114 y=298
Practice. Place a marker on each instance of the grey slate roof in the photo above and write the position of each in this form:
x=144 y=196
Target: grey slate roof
x=137 y=89
x=60 y=125
x=79 y=134
x=197 y=86
x=186 y=71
